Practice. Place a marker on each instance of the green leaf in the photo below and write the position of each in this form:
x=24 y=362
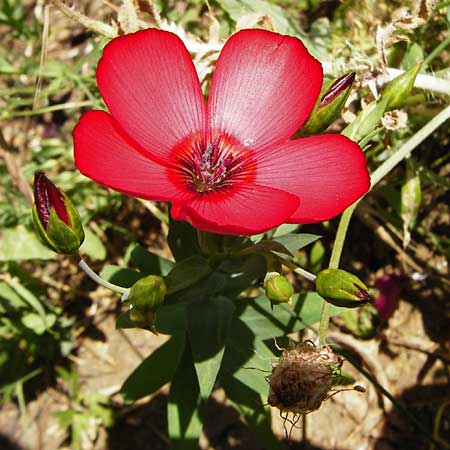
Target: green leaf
x=36 y=323
x=93 y=246
x=156 y=370
x=182 y=240
x=238 y=8
x=12 y=299
x=366 y=121
x=18 y=244
x=284 y=229
x=146 y=262
x=208 y=327
x=283 y=319
x=120 y=276
x=294 y=242
x=28 y=297
x=242 y=273
x=187 y=273
x=249 y=359
x=266 y=246
x=183 y=408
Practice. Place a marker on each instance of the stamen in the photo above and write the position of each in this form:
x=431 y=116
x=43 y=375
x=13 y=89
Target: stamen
x=206 y=167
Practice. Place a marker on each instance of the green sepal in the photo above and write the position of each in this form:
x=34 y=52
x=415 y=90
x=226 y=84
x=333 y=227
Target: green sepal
x=399 y=88
x=330 y=105
x=59 y=236
x=341 y=288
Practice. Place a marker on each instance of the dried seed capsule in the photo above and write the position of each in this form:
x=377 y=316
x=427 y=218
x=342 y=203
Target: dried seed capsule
x=302 y=378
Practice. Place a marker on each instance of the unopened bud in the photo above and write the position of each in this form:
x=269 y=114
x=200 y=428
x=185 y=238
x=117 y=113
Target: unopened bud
x=278 y=288
x=399 y=88
x=341 y=288
x=147 y=294
x=330 y=105
x=55 y=218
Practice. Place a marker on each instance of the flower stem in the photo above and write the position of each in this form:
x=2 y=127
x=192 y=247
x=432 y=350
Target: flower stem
x=305 y=274
x=93 y=276
x=403 y=152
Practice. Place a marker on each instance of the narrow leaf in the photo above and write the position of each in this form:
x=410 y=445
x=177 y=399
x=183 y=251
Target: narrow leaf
x=156 y=370
x=208 y=326
x=183 y=408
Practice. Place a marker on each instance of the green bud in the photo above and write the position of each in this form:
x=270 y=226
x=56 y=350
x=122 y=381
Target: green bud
x=330 y=105
x=278 y=288
x=341 y=288
x=55 y=218
x=147 y=294
x=399 y=88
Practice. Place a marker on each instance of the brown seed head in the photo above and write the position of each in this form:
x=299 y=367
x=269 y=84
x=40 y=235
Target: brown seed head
x=302 y=378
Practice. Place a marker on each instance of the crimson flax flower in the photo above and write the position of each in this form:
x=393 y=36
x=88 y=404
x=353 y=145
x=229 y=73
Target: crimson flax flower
x=227 y=166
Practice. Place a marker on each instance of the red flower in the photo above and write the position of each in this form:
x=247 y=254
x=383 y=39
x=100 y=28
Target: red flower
x=228 y=166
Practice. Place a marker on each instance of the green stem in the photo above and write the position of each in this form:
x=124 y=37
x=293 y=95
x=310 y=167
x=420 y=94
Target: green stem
x=403 y=152
x=93 y=276
x=436 y=52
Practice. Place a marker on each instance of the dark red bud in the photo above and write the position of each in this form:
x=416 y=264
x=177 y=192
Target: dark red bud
x=340 y=85
x=47 y=195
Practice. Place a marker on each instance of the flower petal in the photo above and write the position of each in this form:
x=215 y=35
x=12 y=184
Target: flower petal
x=246 y=209
x=264 y=87
x=151 y=88
x=102 y=154
x=328 y=173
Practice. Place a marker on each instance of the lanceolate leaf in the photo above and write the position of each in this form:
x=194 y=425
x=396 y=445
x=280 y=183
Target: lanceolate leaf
x=294 y=241
x=283 y=319
x=208 y=327
x=183 y=408
x=156 y=370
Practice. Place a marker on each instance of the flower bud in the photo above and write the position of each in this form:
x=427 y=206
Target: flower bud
x=399 y=88
x=55 y=218
x=278 y=288
x=330 y=105
x=341 y=288
x=147 y=294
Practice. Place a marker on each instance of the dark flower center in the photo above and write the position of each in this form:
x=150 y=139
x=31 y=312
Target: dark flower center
x=208 y=163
